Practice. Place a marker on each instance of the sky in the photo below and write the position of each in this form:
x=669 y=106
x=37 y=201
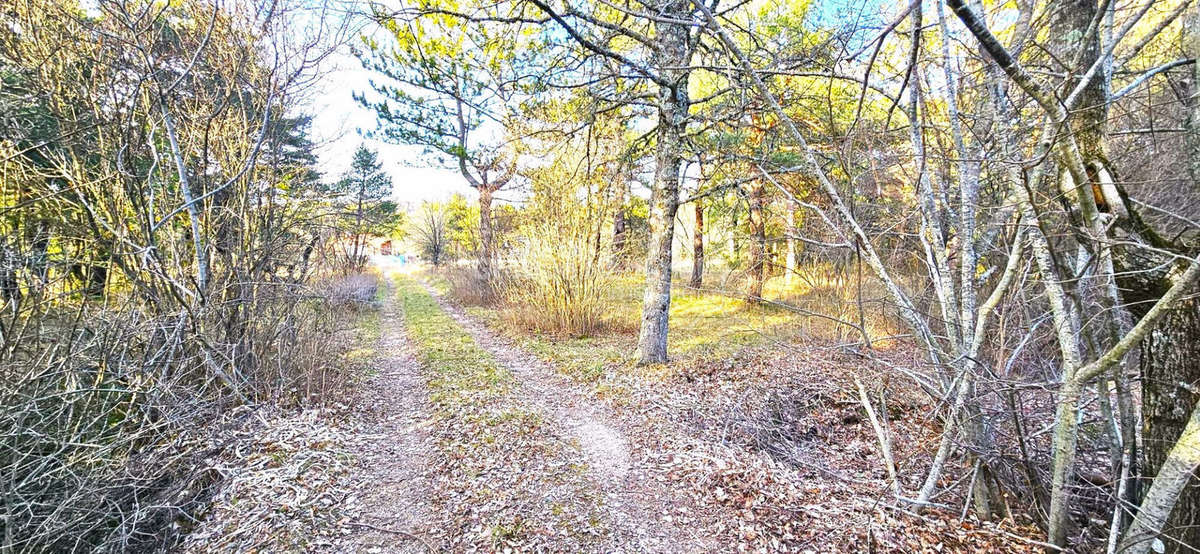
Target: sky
x=339 y=124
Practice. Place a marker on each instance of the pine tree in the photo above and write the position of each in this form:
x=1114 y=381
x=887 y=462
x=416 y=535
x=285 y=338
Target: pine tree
x=444 y=94
x=364 y=188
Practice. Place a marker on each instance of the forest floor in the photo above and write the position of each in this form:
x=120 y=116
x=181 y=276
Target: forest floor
x=469 y=436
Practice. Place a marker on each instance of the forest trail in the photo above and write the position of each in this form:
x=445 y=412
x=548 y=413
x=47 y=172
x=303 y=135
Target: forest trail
x=391 y=474
x=636 y=503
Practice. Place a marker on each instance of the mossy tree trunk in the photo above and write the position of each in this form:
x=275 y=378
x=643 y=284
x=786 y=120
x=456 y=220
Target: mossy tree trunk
x=698 y=247
x=672 y=65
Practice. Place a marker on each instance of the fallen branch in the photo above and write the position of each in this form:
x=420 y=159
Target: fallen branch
x=404 y=534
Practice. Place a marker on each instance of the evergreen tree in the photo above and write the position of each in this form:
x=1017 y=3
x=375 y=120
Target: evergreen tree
x=444 y=83
x=363 y=189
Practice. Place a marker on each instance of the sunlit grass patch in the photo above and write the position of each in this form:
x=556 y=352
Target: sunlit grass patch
x=460 y=366
x=364 y=338
x=367 y=340
x=822 y=288
x=688 y=303
x=708 y=325
x=436 y=279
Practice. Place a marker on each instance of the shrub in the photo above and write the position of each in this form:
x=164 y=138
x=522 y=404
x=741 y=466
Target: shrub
x=558 y=284
x=110 y=412
x=466 y=287
x=354 y=291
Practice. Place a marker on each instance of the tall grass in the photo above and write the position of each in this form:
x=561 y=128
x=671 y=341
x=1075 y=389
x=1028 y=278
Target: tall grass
x=559 y=283
x=465 y=285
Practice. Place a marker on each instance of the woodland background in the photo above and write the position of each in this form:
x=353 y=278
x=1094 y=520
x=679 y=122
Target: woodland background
x=992 y=205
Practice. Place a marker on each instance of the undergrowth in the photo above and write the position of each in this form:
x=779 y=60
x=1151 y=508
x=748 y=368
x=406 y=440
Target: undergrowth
x=114 y=413
x=558 y=284
x=704 y=325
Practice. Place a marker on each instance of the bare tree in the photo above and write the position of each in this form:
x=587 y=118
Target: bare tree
x=430 y=232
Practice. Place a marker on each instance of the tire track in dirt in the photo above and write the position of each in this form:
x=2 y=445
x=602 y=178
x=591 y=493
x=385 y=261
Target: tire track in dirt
x=637 y=504
x=392 y=489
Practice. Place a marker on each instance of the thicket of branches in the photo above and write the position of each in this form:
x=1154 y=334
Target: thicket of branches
x=1013 y=183
x=162 y=225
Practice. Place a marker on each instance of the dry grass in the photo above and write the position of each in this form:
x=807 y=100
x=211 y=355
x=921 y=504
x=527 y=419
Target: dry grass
x=705 y=324
x=356 y=290
x=462 y=283
x=557 y=284
x=827 y=298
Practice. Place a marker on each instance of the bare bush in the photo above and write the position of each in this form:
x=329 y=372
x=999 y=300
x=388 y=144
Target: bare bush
x=154 y=295
x=558 y=285
x=110 y=415
x=353 y=290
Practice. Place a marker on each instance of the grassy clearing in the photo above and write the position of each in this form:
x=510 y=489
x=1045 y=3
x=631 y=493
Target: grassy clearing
x=498 y=458
x=705 y=326
x=746 y=418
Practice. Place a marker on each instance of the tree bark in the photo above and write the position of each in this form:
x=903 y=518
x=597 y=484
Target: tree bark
x=1170 y=369
x=1176 y=470
x=619 y=226
x=673 y=105
x=1068 y=24
x=734 y=250
x=10 y=287
x=486 y=248
x=698 y=247
x=357 y=260
x=790 y=264
x=758 y=242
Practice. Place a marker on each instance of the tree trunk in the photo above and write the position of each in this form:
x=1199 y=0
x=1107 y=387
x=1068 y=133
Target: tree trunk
x=1170 y=363
x=1170 y=370
x=39 y=252
x=619 y=226
x=664 y=200
x=790 y=264
x=1169 y=366
x=734 y=247
x=485 y=237
x=758 y=242
x=698 y=247
x=97 y=278
x=1073 y=47
x=1163 y=503
x=10 y=285
x=356 y=261
x=1069 y=23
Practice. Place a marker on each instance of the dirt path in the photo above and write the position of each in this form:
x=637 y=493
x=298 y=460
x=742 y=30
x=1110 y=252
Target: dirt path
x=390 y=503
x=637 y=503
